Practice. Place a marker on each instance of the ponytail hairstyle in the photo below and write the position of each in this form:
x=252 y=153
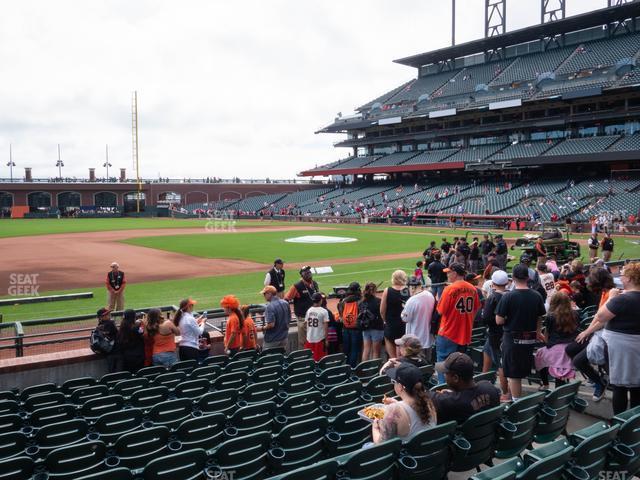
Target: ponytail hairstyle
x=184 y=304
x=154 y=315
x=423 y=403
x=240 y=316
x=370 y=290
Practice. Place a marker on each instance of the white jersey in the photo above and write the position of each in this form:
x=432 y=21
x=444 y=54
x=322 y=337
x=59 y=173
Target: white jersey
x=549 y=285
x=417 y=315
x=317 y=319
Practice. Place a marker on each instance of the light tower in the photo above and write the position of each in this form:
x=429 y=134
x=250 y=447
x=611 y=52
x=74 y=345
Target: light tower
x=59 y=163
x=134 y=133
x=11 y=164
x=106 y=163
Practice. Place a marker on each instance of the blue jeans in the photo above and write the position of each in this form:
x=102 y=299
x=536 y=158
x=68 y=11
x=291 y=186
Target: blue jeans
x=165 y=359
x=437 y=290
x=352 y=345
x=444 y=348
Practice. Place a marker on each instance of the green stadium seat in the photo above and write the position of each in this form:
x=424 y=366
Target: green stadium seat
x=110 y=426
x=490 y=377
x=73 y=384
x=205 y=431
x=37 y=390
x=273 y=351
x=209 y=373
x=368 y=369
x=305 y=365
x=50 y=399
x=11 y=422
x=378 y=387
x=68 y=463
x=296 y=384
x=266 y=373
x=62 y=434
x=480 y=431
x=169 y=379
x=185 y=366
x=8 y=395
x=559 y=401
x=121 y=473
x=329 y=361
x=220 y=360
x=151 y=372
x=297 y=355
x=222 y=401
x=628 y=441
x=374 y=463
x=134 y=450
x=187 y=465
x=332 y=376
x=245 y=355
x=126 y=388
x=247 y=456
x=13 y=444
x=46 y=415
x=170 y=413
x=353 y=430
x=324 y=470
x=592 y=447
x=17 y=468
x=95 y=407
x=305 y=443
x=82 y=394
x=147 y=398
x=244 y=365
x=269 y=360
x=297 y=408
x=110 y=379
x=341 y=397
x=253 y=418
x=9 y=406
x=259 y=393
x=192 y=389
x=524 y=414
x=431 y=449
x=235 y=380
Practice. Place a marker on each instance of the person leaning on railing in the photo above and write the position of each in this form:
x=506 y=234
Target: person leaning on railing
x=161 y=333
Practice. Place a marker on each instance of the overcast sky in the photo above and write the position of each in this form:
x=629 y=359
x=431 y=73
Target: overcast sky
x=225 y=88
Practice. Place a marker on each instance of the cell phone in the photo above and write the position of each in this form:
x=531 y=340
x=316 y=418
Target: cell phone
x=205 y=313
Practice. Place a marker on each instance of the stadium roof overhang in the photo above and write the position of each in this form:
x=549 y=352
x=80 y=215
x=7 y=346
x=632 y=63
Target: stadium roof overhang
x=594 y=18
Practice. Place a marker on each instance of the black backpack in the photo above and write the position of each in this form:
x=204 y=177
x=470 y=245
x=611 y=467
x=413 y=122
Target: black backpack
x=99 y=342
x=365 y=316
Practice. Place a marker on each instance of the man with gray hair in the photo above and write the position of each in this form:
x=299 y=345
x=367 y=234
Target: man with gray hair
x=115 y=284
x=417 y=314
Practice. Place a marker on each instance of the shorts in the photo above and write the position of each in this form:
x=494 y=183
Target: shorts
x=373 y=335
x=393 y=332
x=517 y=360
x=164 y=359
x=493 y=353
x=317 y=348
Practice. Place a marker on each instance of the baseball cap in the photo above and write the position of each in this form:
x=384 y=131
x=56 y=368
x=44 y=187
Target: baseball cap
x=455 y=267
x=458 y=363
x=414 y=282
x=525 y=258
x=269 y=289
x=406 y=374
x=306 y=268
x=408 y=340
x=520 y=272
x=354 y=287
x=499 y=277
x=103 y=311
x=316 y=297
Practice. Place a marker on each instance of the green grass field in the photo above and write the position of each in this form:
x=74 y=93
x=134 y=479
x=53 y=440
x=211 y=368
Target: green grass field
x=257 y=246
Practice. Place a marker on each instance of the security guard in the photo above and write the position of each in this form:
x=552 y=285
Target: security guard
x=116 y=284
x=275 y=277
x=301 y=293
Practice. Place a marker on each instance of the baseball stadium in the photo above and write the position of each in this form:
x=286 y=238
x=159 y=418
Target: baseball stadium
x=455 y=298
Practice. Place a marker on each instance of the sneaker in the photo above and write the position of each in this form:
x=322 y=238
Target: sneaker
x=506 y=398
x=598 y=392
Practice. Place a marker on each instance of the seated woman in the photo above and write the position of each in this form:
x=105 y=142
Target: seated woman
x=412 y=413
x=410 y=350
x=561 y=328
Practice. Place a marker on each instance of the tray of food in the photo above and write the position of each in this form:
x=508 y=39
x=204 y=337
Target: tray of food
x=372 y=412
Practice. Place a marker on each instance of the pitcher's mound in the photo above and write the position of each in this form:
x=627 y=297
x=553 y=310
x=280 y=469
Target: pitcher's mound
x=320 y=239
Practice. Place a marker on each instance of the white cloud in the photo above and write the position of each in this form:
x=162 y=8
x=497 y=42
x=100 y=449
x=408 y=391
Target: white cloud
x=225 y=88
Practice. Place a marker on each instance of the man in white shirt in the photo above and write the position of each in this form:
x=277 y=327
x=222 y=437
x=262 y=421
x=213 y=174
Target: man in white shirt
x=417 y=313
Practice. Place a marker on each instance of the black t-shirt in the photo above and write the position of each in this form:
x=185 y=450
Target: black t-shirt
x=373 y=305
x=445 y=247
x=501 y=247
x=395 y=304
x=625 y=307
x=460 y=405
x=489 y=314
x=555 y=337
x=521 y=309
x=415 y=361
x=475 y=253
x=607 y=244
x=436 y=273
x=486 y=246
